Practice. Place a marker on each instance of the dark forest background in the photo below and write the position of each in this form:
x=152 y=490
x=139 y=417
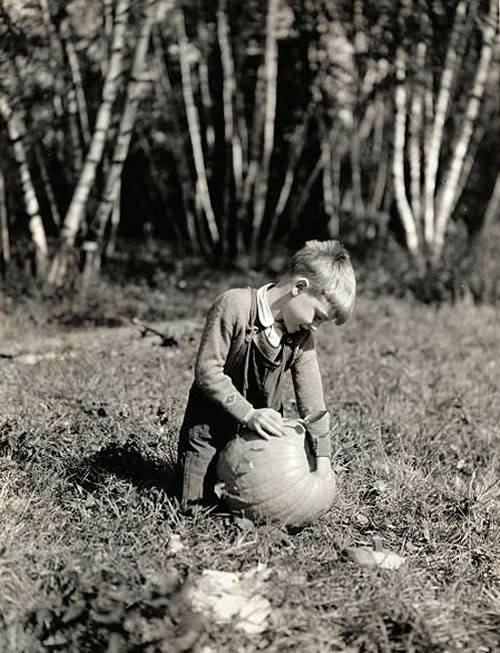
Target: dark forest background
x=136 y=135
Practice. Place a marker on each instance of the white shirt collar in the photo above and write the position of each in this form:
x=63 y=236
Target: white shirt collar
x=265 y=315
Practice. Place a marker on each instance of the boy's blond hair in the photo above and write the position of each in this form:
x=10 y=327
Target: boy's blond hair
x=328 y=267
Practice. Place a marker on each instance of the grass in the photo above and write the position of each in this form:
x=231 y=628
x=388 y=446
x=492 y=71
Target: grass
x=87 y=443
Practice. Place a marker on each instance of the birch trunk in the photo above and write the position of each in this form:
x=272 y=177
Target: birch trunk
x=334 y=224
x=380 y=156
x=493 y=208
x=74 y=132
x=328 y=183
x=17 y=131
x=115 y=222
x=446 y=196
x=242 y=130
x=477 y=137
x=357 y=187
x=204 y=81
x=233 y=160
x=55 y=52
x=107 y=23
x=415 y=135
x=4 y=224
x=233 y=141
x=296 y=148
x=111 y=193
x=76 y=77
x=433 y=146
x=305 y=193
x=271 y=75
x=202 y=189
x=398 y=160
x=78 y=204
x=56 y=218
x=164 y=91
x=254 y=148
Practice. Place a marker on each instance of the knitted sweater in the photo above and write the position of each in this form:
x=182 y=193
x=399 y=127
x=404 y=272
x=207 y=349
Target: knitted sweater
x=221 y=357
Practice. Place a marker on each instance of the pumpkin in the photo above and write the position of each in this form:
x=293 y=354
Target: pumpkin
x=274 y=479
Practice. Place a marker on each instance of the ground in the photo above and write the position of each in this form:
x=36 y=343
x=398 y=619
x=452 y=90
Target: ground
x=94 y=554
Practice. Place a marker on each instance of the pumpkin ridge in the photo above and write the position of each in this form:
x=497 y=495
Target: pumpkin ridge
x=282 y=512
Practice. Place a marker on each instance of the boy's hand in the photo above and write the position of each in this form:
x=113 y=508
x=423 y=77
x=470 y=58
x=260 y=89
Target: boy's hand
x=266 y=422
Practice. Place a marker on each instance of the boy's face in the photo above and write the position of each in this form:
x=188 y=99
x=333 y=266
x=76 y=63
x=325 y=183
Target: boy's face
x=305 y=311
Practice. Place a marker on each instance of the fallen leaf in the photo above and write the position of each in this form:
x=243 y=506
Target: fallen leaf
x=366 y=557
x=228 y=597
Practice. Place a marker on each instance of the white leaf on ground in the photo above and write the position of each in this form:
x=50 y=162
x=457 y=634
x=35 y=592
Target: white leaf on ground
x=229 y=597
x=366 y=557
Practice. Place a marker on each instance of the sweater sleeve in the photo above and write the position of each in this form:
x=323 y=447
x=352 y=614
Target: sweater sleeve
x=224 y=325
x=308 y=388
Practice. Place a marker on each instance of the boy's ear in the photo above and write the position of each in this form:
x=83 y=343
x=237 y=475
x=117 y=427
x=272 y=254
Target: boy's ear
x=299 y=285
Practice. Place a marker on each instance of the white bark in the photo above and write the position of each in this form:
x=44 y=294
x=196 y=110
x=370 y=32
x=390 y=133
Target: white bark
x=78 y=204
x=446 y=195
x=433 y=146
x=334 y=223
x=47 y=186
x=107 y=21
x=111 y=193
x=296 y=147
x=254 y=145
x=204 y=82
x=164 y=90
x=233 y=142
x=415 y=134
x=379 y=155
x=202 y=189
x=357 y=187
x=76 y=77
x=17 y=132
x=55 y=52
x=398 y=160
x=74 y=131
x=470 y=158
x=115 y=222
x=4 y=223
x=271 y=74
x=493 y=208
x=328 y=182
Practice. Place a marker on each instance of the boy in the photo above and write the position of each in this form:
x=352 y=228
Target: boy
x=251 y=338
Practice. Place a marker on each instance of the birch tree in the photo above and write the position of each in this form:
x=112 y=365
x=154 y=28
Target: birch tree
x=270 y=74
x=165 y=93
x=110 y=194
x=77 y=208
x=17 y=135
x=202 y=188
x=4 y=225
x=427 y=206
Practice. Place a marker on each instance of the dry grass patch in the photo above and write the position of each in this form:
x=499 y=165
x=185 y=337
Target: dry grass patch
x=94 y=553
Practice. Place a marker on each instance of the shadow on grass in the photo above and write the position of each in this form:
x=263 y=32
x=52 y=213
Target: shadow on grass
x=126 y=462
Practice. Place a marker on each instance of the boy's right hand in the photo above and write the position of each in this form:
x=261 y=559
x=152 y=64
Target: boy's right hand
x=266 y=422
